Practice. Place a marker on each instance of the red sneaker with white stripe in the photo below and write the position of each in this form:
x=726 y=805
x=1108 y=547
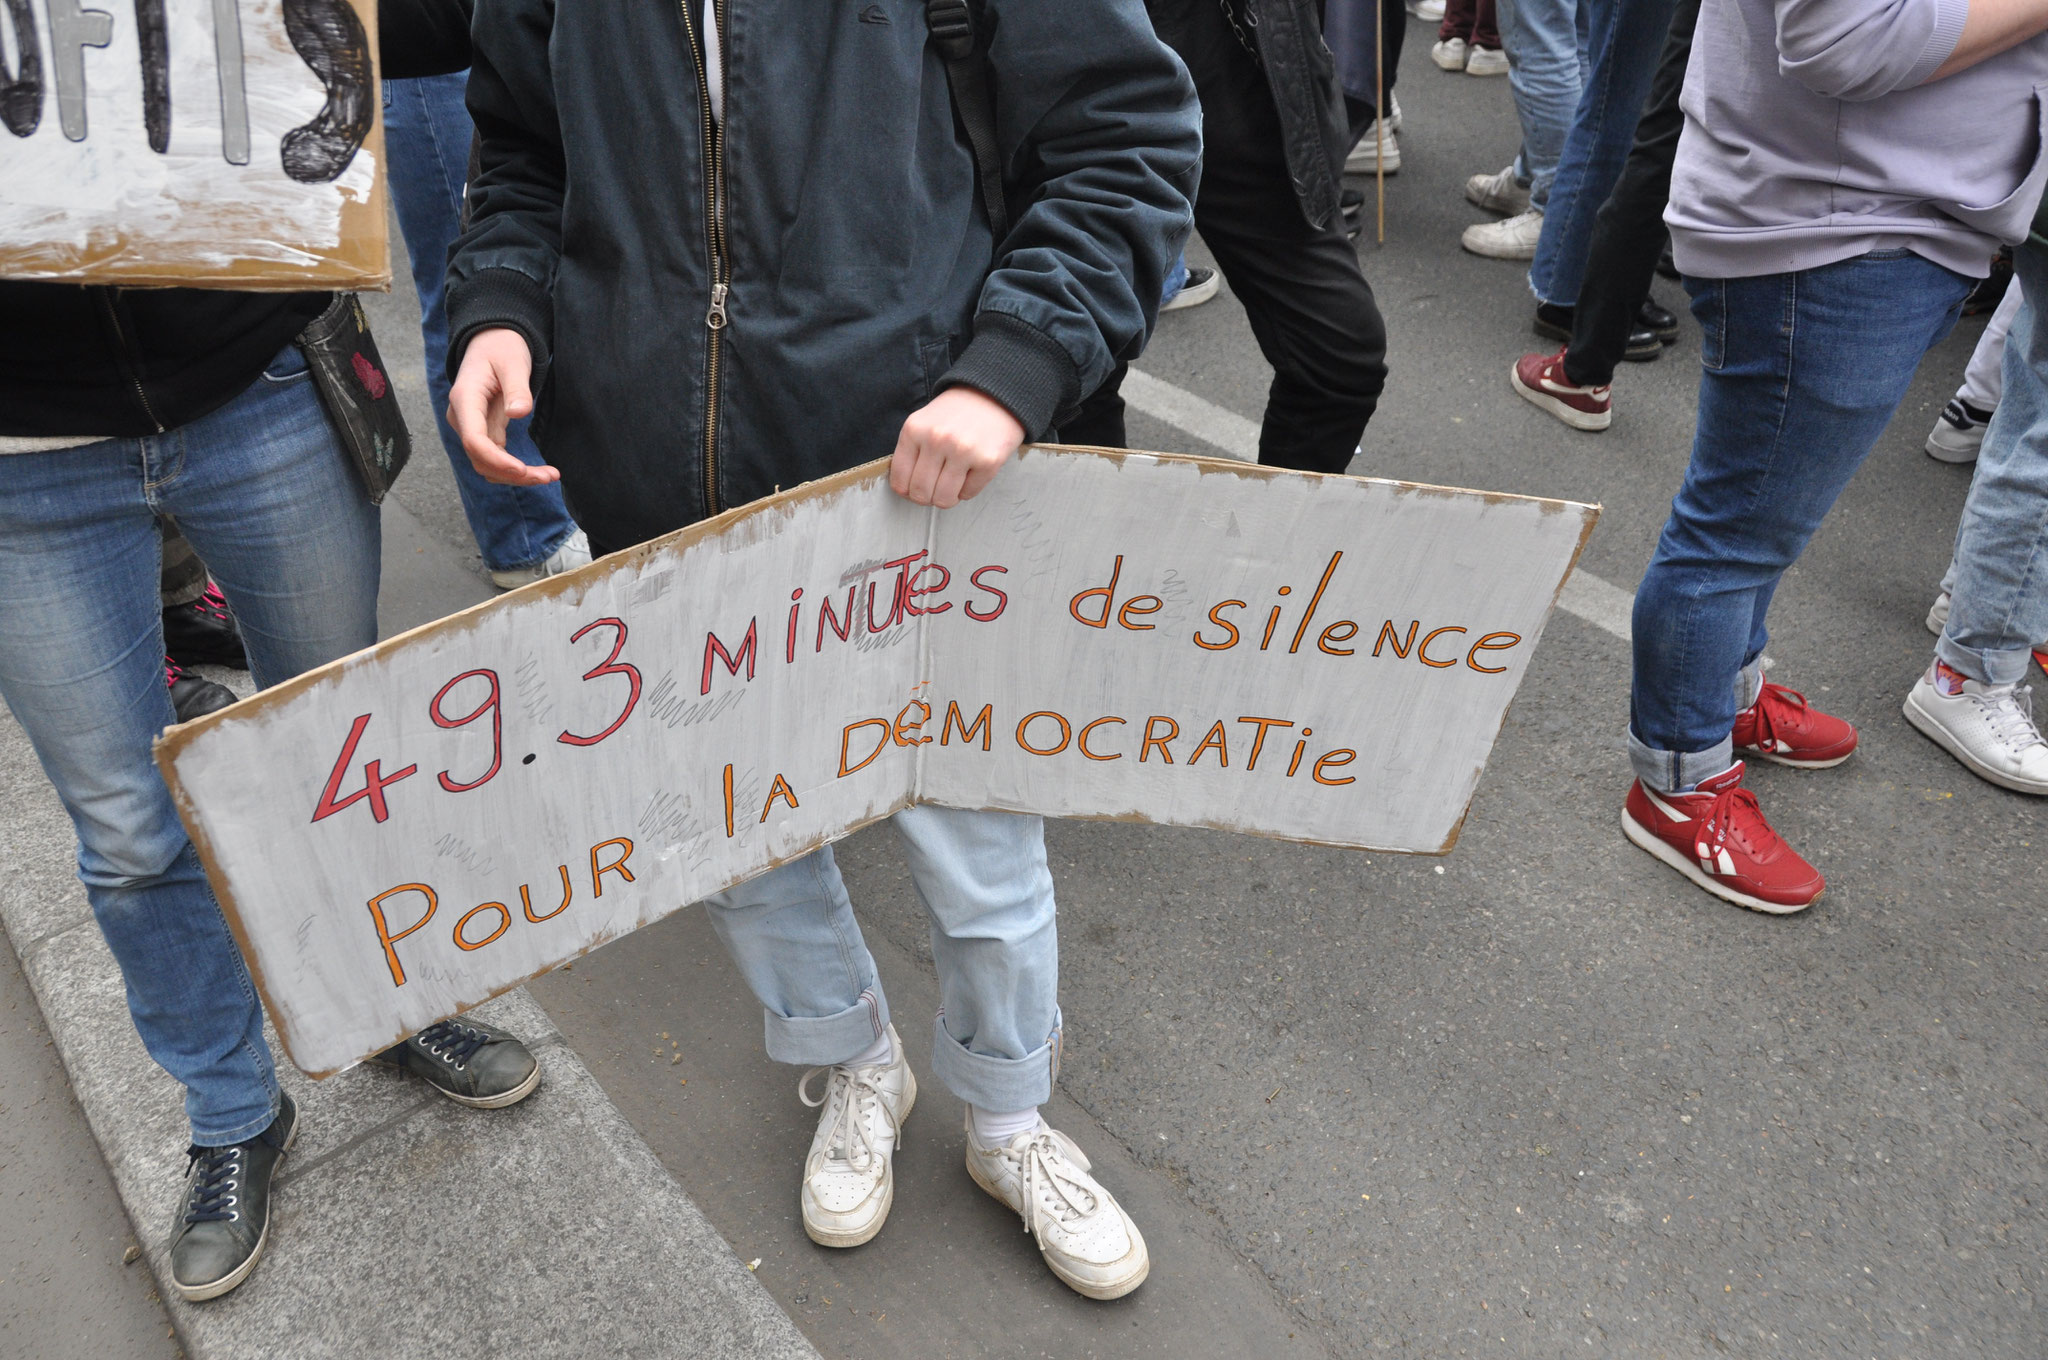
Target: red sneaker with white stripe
x=1541 y=380
x=1717 y=837
x=1783 y=728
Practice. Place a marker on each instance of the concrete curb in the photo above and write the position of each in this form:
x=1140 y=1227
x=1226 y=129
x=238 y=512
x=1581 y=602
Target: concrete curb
x=406 y=1226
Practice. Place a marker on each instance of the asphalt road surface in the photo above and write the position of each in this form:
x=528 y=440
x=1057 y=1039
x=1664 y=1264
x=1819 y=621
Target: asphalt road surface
x=1541 y=1098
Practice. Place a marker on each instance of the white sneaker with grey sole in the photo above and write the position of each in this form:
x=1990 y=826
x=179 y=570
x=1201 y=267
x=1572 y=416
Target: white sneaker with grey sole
x=1083 y=1233
x=1450 y=53
x=1365 y=156
x=1486 y=61
x=574 y=553
x=1498 y=193
x=1989 y=728
x=1513 y=238
x=849 y=1174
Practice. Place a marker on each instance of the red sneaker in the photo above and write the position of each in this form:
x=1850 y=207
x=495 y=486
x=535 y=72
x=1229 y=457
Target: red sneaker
x=1541 y=381
x=1717 y=837
x=2041 y=657
x=1783 y=728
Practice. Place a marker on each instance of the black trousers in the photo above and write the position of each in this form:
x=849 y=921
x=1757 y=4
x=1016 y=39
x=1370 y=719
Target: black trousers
x=1628 y=235
x=1310 y=308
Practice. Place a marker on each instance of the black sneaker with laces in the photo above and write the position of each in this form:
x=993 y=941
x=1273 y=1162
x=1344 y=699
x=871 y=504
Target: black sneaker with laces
x=224 y=1219
x=204 y=632
x=469 y=1062
x=194 y=696
x=1554 y=322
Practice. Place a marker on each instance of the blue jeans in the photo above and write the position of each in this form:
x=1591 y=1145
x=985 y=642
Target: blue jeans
x=427 y=134
x=1545 y=41
x=1176 y=279
x=984 y=882
x=1625 y=38
x=265 y=494
x=1800 y=374
x=1999 y=580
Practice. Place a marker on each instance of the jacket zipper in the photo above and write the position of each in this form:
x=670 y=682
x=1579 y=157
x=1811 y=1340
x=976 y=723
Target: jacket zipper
x=714 y=214
x=125 y=353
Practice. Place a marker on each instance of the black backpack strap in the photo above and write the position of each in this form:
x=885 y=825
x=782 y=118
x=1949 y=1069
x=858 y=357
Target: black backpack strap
x=953 y=29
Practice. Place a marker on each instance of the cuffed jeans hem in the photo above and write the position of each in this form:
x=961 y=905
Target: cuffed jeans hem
x=995 y=1083
x=240 y=1134
x=1678 y=771
x=2002 y=666
x=1749 y=685
x=823 y=1040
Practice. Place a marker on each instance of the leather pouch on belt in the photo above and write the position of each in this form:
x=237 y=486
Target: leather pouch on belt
x=354 y=387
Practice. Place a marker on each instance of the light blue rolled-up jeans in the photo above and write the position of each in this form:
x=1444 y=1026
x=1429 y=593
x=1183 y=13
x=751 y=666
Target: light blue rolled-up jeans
x=1545 y=41
x=1999 y=576
x=984 y=882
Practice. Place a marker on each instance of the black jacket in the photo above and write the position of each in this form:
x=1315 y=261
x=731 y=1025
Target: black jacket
x=1313 y=125
x=854 y=256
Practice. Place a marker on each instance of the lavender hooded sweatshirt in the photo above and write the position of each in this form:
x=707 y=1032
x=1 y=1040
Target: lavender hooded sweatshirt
x=1812 y=135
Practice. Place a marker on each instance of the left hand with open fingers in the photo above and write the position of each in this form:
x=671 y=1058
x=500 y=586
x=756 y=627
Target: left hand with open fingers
x=952 y=446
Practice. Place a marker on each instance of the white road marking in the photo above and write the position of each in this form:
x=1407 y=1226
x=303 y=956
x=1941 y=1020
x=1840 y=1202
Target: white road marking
x=1604 y=605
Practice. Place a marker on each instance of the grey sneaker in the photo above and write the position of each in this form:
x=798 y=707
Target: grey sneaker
x=224 y=1219
x=1500 y=193
x=574 y=553
x=469 y=1062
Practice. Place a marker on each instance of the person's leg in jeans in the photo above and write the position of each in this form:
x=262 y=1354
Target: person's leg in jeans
x=1628 y=236
x=1541 y=38
x=427 y=135
x=1801 y=373
x=1625 y=38
x=1969 y=701
x=1958 y=432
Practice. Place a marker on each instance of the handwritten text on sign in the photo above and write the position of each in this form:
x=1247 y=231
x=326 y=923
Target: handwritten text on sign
x=223 y=142
x=414 y=829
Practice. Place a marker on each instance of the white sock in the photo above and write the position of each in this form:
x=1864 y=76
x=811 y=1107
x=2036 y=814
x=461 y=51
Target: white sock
x=994 y=1129
x=880 y=1053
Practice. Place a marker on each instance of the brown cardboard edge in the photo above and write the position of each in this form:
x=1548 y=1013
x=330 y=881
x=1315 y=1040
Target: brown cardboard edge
x=168 y=746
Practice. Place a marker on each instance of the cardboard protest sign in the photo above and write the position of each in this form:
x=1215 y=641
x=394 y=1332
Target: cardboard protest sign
x=209 y=143
x=407 y=832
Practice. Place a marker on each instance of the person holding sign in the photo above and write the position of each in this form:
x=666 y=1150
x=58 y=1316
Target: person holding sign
x=737 y=248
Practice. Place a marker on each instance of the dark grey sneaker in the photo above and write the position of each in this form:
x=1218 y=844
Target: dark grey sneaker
x=224 y=1219
x=469 y=1062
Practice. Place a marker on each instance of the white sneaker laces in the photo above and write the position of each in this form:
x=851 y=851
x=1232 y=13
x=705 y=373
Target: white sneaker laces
x=852 y=1093
x=2010 y=716
x=1047 y=1179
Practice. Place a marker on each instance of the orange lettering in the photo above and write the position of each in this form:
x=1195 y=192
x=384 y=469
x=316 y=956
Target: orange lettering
x=1132 y=606
x=617 y=866
x=526 y=902
x=1331 y=761
x=1422 y=652
x=1172 y=731
x=900 y=727
x=1108 y=594
x=779 y=789
x=1083 y=742
x=1215 y=739
x=384 y=935
x=1387 y=635
x=967 y=731
x=846 y=738
x=1260 y=740
x=1066 y=732
x=1331 y=635
x=1487 y=644
x=1202 y=642
x=504 y=924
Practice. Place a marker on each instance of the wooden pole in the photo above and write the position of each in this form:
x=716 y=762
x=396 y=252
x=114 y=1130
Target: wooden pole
x=1379 y=109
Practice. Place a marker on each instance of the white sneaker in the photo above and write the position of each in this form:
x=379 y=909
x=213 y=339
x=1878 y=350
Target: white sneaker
x=1511 y=239
x=1498 y=193
x=1937 y=614
x=1486 y=61
x=1450 y=54
x=574 y=553
x=1957 y=435
x=849 y=1176
x=1083 y=1233
x=1203 y=283
x=1365 y=157
x=1429 y=11
x=1990 y=728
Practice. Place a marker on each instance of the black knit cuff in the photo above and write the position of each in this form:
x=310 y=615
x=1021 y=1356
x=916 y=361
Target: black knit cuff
x=1020 y=366
x=499 y=297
